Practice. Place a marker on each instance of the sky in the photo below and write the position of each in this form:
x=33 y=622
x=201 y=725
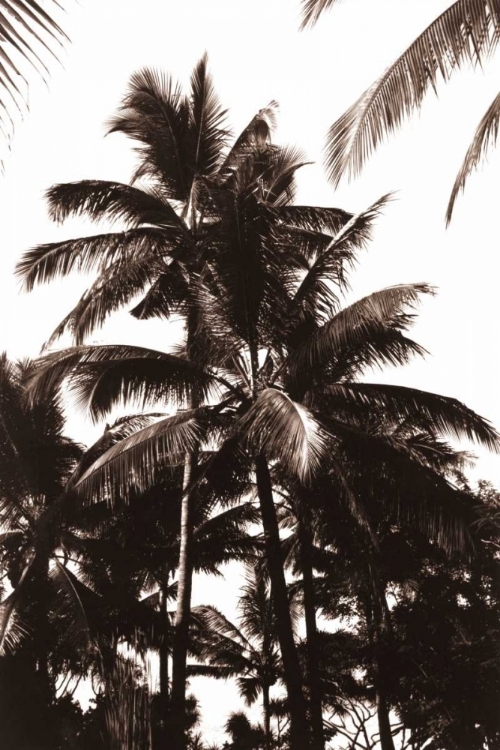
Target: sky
x=257 y=54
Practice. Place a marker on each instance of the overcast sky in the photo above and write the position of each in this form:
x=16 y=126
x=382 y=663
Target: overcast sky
x=257 y=54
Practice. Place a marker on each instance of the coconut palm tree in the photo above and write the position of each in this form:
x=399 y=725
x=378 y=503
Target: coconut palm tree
x=248 y=651
x=290 y=365
x=465 y=33
x=174 y=223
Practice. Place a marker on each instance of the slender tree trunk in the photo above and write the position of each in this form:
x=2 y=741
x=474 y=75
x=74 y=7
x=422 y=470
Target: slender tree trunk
x=299 y=735
x=164 y=686
x=266 y=715
x=381 y=629
x=314 y=682
x=177 y=705
x=384 y=722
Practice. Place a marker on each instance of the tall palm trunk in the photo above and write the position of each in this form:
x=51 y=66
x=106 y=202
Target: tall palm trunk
x=266 y=715
x=164 y=686
x=177 y=703
x=380 y=628
x=313 y=677
x=299 y=735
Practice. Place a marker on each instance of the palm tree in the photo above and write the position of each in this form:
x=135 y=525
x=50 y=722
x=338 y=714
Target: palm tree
x=188 y=166
x=467 y=32
x=42 y=529
x=248 y=651
x=290 y=363
x=397 y=476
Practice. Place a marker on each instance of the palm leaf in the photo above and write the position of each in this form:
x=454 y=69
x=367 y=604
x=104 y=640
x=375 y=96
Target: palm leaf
x=11 y=628
x=136 y=460
x=207 y=121
x=468 y=31
x=316 y=292
x=113 y=201
x=284 y=430
x=355 y=326
x=440 y=413
x=312 y=9
x=70 y=605
x=46 y=262
x=26 y=30
x=100 y=377
x=113 y=289
x=155 y=114
x=484 y=138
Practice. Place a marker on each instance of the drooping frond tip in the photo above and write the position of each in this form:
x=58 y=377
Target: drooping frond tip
x=467 y=32
x=485 y=137
x=28 y=33
x=312 y=10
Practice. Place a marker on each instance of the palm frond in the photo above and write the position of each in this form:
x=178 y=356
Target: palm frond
x=113 y=289
x=155 y=114
x=484 y=138
x=46 y=262
x=317 y=290
x=166 y=295
x=440 y=413
x=122 y=428
x=249 y=689
x=286 y=431
x=255 y=137
x=313 y=9
x=467 y=31
x=113 y=201
x=100 y=377
x=135 y=461
x=213 y=621
x=356 y=325
x=207 y=122
x=70 y=605
x=26 y=31
x=12 y=630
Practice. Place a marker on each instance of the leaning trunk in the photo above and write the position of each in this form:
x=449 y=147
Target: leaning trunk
x=299 y=736
x=313 y=677
x=177 y=704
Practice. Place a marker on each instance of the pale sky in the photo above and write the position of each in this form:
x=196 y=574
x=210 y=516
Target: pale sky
x=257 y=54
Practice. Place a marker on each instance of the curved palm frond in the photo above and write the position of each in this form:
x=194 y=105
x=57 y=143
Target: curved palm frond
x=255 y=136
x=122 y=428
x=312 y=10
x=484 y=138
x=467 y=31
x=70 y=603
x=134 y=462
x=441 y=413
x=356 y=325
x=46 y=262
x=286 y=431
x=216 y=624
x=114 y=201
x=11 y=628
x=317 y=291
x=100 y=377
x=154 y=113
x=26 y=32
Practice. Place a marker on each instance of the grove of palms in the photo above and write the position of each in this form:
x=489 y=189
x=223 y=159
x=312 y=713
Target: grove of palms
x=258 y=436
